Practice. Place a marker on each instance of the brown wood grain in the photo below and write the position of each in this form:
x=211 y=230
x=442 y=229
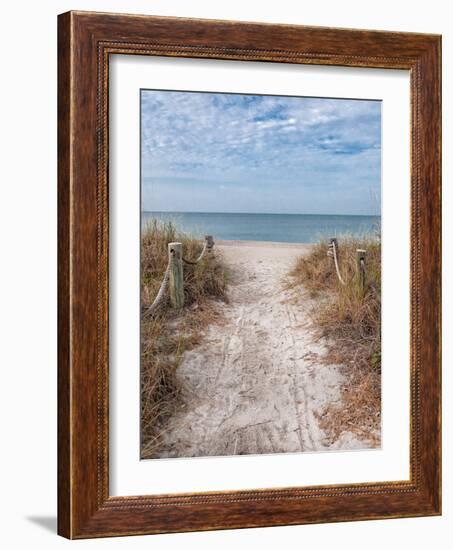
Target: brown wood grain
x=85 y=42
x=64 y=390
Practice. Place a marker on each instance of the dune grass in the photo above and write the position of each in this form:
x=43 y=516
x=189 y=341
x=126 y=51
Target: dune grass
x=167 y=333
x=349 y=316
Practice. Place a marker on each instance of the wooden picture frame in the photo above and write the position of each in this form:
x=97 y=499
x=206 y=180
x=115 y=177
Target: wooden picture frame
x=85 y=42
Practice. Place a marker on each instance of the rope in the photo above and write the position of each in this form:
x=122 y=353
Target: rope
x=163 y=287
x=161 y=293
x=202 y=253
x=334 y=250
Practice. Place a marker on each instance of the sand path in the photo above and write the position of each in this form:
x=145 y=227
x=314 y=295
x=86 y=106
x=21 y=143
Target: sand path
x=254 y=386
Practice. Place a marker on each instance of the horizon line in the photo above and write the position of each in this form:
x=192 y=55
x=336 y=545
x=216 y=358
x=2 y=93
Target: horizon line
x=253 y=213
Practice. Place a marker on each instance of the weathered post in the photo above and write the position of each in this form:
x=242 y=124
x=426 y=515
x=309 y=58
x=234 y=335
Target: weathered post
x=334 y=244
x=209 y=242
x=176 y=275
x=361 y=255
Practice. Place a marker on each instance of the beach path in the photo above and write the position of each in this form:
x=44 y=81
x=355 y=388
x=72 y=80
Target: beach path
x=255 y=384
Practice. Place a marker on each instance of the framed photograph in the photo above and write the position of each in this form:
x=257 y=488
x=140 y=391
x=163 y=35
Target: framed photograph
x=249 y=275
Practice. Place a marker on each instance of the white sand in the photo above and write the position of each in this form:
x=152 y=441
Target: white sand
x=256 y=385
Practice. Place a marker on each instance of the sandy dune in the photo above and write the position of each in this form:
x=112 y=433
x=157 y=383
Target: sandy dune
x=255 y=385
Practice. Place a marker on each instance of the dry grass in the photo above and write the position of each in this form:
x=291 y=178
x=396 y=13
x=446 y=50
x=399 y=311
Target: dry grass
x=349 y=317
x=168 y=333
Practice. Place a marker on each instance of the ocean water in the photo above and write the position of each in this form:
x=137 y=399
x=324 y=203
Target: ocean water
x=289 y=228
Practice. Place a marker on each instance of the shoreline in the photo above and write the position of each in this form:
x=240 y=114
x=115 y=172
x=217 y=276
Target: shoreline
x=262 y=244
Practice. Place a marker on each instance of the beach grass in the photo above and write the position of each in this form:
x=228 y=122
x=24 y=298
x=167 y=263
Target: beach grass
x=167 y=333
x=349 y=316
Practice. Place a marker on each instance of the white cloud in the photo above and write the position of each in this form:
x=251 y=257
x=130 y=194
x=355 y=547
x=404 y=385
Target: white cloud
x=260 y=140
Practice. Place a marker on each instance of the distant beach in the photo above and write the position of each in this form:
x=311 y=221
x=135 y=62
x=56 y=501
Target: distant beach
x=286 y=228
x=302 y=247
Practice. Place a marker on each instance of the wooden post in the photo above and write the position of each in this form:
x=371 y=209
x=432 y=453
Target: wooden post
x=361 y=255
x=176 y=275
x=334 y=244
x=210 y=242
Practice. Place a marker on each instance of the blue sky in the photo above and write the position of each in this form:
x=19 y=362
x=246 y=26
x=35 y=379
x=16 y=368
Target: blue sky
x=209 y=152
